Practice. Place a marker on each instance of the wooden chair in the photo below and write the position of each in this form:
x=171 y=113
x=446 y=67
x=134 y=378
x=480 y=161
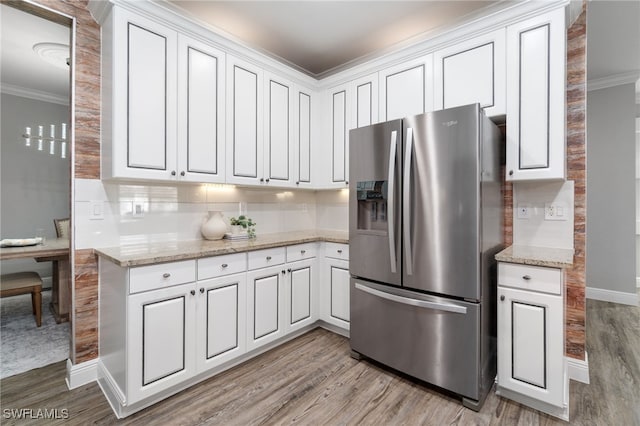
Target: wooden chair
x=24 y=283
x=62 y=227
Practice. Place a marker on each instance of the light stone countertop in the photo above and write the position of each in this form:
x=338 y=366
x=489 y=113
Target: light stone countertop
x=537 y=256
x=169 y=251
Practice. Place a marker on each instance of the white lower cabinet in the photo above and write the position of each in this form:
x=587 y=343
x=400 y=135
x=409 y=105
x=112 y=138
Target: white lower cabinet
x=221 y=320
x=264 y=305
x=165 y=326
x=531 y=363
x=161 y=340
x=335 y=286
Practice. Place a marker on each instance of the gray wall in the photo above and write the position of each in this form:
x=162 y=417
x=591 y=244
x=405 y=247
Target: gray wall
x=34 y=186
x=611 y=157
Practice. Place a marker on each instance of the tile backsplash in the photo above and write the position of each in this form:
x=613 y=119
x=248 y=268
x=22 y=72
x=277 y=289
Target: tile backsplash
x=175 y=212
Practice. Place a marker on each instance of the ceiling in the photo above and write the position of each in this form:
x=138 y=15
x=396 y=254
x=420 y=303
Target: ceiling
x=320 y=37
x=317 y=37
x=20 y=66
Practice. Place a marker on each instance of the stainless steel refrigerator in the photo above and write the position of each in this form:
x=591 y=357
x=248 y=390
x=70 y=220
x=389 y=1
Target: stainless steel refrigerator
x=425 y=221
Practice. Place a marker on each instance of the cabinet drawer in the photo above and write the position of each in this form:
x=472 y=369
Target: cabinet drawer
x=336 y=251
x=217 y=266
x=152 y=277
x=300 y=252
x=263 y=258
x=533 y=278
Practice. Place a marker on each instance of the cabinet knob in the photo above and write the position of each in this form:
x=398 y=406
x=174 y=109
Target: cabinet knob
x=340 y=251
x=510 y=172
x=284 y=272
x=526 y=277
x=224 y=265
x=502 y=298
x=289 y=270
x=303 y=251
x=268 y=257
x=346 y=182
x=267 y=180
x=182 y=173
x=261 y=179
x=193 y=292
x=166 y=275
x=173 y=172
x=202 y=290
x=297 y=183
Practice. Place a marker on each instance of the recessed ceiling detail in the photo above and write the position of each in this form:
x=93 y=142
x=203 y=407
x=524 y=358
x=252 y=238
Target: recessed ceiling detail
x=56 y=54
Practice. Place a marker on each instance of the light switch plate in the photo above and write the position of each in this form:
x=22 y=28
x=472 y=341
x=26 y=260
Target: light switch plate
x=96 y=210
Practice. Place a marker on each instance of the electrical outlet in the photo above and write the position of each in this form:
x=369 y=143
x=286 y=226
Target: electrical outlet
x=555 y=211
x=138 y=209
x=524 y=210
x=96 y=210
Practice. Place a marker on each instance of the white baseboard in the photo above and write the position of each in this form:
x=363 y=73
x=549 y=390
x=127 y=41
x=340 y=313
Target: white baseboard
x=579 y=369
x=638 y=282
x=612 y=296
x=81 y=374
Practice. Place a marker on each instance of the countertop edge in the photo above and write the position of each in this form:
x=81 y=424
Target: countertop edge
x=242 y=247
x=537 y=256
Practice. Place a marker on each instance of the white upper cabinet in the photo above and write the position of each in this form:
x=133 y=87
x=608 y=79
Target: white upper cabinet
x=365 y=100
x=278 y=135
x=201 y=95
x=244 y=122
x=406 y=89
x=470 y=72
x=165 y=106
x=304 y=108
x=536 y=55
x=139 y=98
x=340 y=106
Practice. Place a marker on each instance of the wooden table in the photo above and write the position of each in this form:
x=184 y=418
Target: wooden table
x=56 y=251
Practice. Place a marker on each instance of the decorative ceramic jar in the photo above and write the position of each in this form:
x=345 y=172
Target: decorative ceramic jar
x=213 y=226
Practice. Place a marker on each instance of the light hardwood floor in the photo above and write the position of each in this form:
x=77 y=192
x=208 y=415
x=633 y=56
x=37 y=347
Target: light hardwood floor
x=313 y=381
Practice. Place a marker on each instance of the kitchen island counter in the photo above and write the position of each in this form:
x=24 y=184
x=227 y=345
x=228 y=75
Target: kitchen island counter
x=537 y=256
x=170 y=251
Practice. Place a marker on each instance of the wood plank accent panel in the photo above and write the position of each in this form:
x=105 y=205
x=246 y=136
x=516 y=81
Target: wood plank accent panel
x=85 y=307
x=576 y=171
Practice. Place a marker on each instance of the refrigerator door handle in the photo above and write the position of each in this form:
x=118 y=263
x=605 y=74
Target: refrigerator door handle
x=391 y=199
x=448 y=307
x=406 y=193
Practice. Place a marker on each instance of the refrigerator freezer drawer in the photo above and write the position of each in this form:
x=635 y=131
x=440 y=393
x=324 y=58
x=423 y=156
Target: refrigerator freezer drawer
x=432 y=338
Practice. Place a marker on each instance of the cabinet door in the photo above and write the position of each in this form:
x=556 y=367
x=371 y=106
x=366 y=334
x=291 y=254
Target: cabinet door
x=278 y=160
x=530 y=344
x=335 y=292
x=201 y=90
x=161 y=338
x=365 y=99
x=221 y=313
x=536 y=98
x=300 y=294
x=341 y=119
x=304 y=104
x=264 y=305
x=406 y=89
x=144 y=98
x=244 y=122
x=472 y=71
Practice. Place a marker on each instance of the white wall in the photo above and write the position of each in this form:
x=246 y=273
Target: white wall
x=34 y=185
x=611 y=157
x=175 y=212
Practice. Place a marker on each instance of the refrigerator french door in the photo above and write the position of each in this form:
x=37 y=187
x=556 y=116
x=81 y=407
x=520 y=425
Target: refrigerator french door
x=425 y=212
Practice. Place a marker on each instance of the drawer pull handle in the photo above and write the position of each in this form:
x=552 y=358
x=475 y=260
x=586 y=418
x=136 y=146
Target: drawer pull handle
x=303 y=251
x=340 y=251
x=268 y=257
x=166 y=275
x=526 y=277
x=202 y=290
x=502 y=298
x=224 y=265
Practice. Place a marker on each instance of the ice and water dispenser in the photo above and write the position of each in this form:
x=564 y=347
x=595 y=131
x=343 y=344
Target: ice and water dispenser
x=372 y=206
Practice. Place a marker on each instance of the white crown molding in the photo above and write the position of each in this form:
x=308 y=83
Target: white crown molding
x=613 y=80
x=38 y=95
